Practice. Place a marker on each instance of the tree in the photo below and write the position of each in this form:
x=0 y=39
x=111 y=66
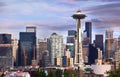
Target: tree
x=39 y=73
x=75 y=73
x=115 y=73
x=66 y=73
x=51 y=74
x=58 y=73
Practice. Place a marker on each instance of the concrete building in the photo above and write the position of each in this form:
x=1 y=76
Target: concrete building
x=15 y=50
x=100 y=70
x=108 y=43
x=111 y=45
x=58 y=61
x=68 y=54
x=55 y=47
x=45 y=59
x=117 y=59
x=6 y=55
x=109 y=33
x=85 y=53
x=27 y=47
x=119 y=42
x=42 y=48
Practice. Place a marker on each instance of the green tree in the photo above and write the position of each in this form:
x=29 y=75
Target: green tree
x=115 y=73
x=51 y=74
x=66 y=73
x=39 y=73
x=75 y=73
x=58 y=73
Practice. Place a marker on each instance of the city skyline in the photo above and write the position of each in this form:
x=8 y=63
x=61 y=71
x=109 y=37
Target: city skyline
x=55 y=16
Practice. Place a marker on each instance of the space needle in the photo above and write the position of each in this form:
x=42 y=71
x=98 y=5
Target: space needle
x=78 y=53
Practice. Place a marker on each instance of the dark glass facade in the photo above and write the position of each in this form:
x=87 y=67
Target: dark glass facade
x=27 y=44
x=5 y=50
x=5 y=38
x=71 y=32
x=93 y=54
x=99 y=41
x=88 y=30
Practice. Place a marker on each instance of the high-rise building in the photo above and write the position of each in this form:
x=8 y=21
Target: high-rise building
x=99 y=41
x=111 y=45
x=88 y=30
x=109 y=33
x=87 y=39
x=45 y=59
x=119 y=42
x=93 y=54
x=6 y=55
x=27 y=48
x=71 y=32
x=15 y=49
x=117 y=59
x=55 y=47
x=70 y=42
x=42 y=48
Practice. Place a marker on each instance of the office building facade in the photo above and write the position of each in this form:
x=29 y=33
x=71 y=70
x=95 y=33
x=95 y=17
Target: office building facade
x=6 y=55
x=27 y=48
x=55 y=47
x=88 y=30
x=70 y=42
x=99 y=41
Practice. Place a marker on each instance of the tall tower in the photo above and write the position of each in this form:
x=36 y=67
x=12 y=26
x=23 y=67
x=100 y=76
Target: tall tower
x=88 y=29
x=99 y=41
x=78 y=54
x=108 y=42
x=27 y=44
x=70 y=42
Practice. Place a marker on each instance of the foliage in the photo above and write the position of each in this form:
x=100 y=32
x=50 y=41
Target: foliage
x=51 y=74
x=58 y=73
x=66 y=73
x=115 y=73
x=39 y=73
x=75 y=73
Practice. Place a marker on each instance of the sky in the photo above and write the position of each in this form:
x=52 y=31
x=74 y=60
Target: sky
x=55 y=16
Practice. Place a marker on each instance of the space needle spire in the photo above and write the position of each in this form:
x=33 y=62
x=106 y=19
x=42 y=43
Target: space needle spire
x=78 y=53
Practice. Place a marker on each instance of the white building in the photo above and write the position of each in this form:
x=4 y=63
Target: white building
x=14 y=49
x=68 y=53
x=101 y=69
x=55 y=46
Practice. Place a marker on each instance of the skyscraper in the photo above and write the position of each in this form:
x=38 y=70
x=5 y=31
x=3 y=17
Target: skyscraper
x=108 y=43
x=70 y=42
x=111 y=45
x=109 y=33
x=14 y=50
x=93 y=54
x=88 y=30
x=99 y=41
x=27 y=45
x=42 y=48
x=55 y=47
x=6 y=56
